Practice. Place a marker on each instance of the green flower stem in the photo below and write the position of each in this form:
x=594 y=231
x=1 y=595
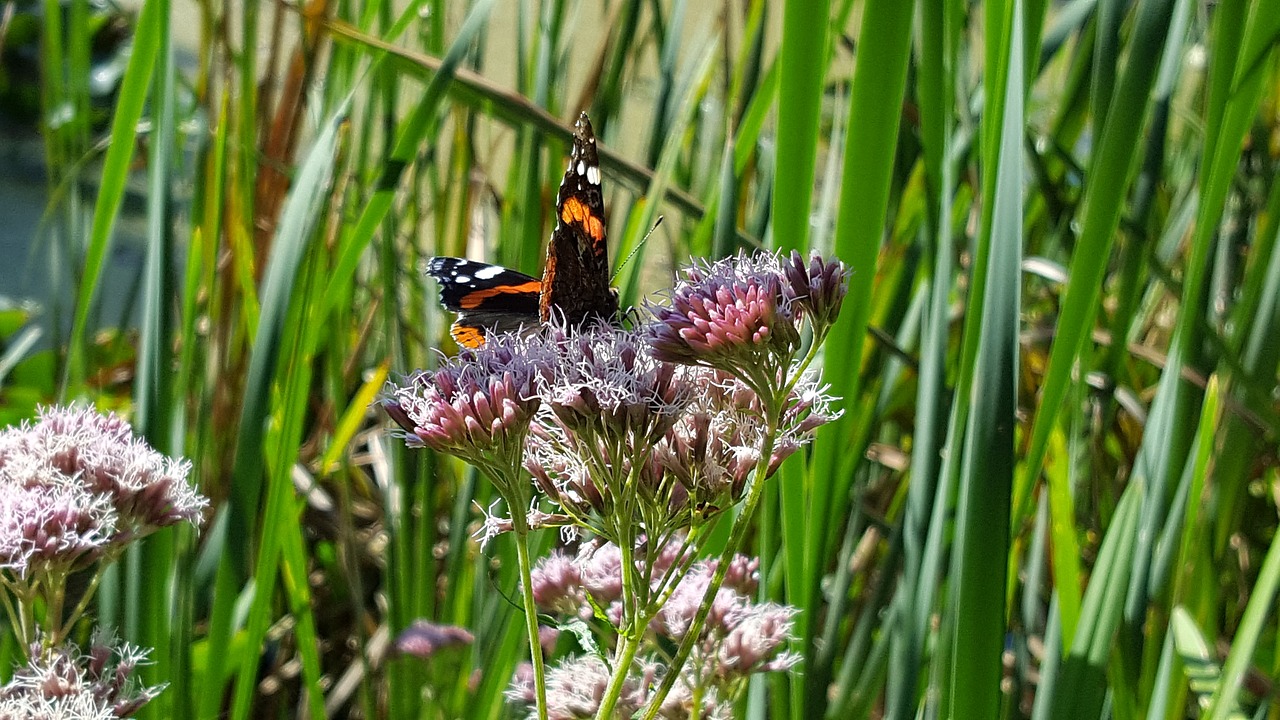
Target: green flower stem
x=633 y=624
x=722 y=567
x=89 y=592
x=56 y=598
x=520 y=527
x=621 y=665
x=9 y=610
x=23 y=619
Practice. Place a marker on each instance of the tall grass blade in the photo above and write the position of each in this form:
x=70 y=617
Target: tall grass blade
x=1082 y=687
x=979 y=568
x=1110 y=170
x=1260 y=609
x=879 y=84
x=409 y=135
x=801 y=65
x=298 y=220
x=115 y=174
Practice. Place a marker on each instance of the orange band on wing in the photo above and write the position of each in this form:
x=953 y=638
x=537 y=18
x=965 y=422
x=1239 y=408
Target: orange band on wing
x=476 y=298
x=467 y=336
x=572 y=210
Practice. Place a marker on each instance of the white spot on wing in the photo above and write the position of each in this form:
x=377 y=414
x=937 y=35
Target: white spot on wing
x=593 y=175
x=462 y=278
x=488 y=272
x=582 y=169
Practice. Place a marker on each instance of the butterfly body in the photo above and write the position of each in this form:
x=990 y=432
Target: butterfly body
x=575 y=278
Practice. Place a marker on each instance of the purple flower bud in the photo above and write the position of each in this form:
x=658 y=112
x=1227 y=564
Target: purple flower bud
x=756 y=634
x=521 y=691
x=607 y=383
x=713 y=449
x=743 y=575
x=601 y=571
x=475 y=406
x=575 y=688
x=817 y=287
x=678 y=614
x=557 y=585
x=424 y=639
x=43 y=529
x=732 y=314
x=559 y=474
x=548 y=637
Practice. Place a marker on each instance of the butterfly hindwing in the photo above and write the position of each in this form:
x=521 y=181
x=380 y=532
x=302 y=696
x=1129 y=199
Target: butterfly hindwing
x=488 y=298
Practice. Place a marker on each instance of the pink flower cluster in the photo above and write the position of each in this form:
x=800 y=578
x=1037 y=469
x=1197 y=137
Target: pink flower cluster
x=742 y=313
x=77 y=485
x=66 y=683
x=741 y=636
x=639 y=438
x=478 y=405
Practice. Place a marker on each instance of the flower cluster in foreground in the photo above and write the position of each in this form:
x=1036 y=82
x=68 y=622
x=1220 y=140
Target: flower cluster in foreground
x=64 y=682
x=740 y=638
x=76 y=488
x=77 y=485
x=638 y=439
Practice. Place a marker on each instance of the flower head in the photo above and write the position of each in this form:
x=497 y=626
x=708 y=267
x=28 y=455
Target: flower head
x=424 y=639
x=607 y=383
x=740 y=636
x=715 y=446
x=476 y=406
x=62 y=528
x=77 y=446
x=816 y=287
x=754 y=638
x=731 y=314
x=557 y=585
x=604 y=406
x=575 y=688
x=66 y=683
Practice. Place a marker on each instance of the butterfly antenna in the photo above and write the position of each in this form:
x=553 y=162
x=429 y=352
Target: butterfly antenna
x=632 y=254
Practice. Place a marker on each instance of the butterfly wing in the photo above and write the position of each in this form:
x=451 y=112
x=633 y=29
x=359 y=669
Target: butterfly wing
x=575 y=281
x=487 y=298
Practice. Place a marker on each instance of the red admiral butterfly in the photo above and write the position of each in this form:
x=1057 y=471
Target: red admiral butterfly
x=575 y=279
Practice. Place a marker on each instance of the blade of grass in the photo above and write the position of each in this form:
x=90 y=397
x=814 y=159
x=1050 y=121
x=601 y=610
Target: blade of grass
x=802 y=66
x=115 y=174
x=1250 y=633
x=939 y=29
x=875 y=112
x=302 y=209
x=1082 y=684
x=691 y=88
x=420 y=124
x=152 y=617
x=1175 y=409
x=1066 y=547
x=980 y=565
x=1109 y=173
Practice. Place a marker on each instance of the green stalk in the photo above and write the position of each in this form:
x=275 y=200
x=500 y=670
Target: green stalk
x=736 y=539
x=622 y=663
x=87 y=597
x=636 y=612
x=521 y=529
